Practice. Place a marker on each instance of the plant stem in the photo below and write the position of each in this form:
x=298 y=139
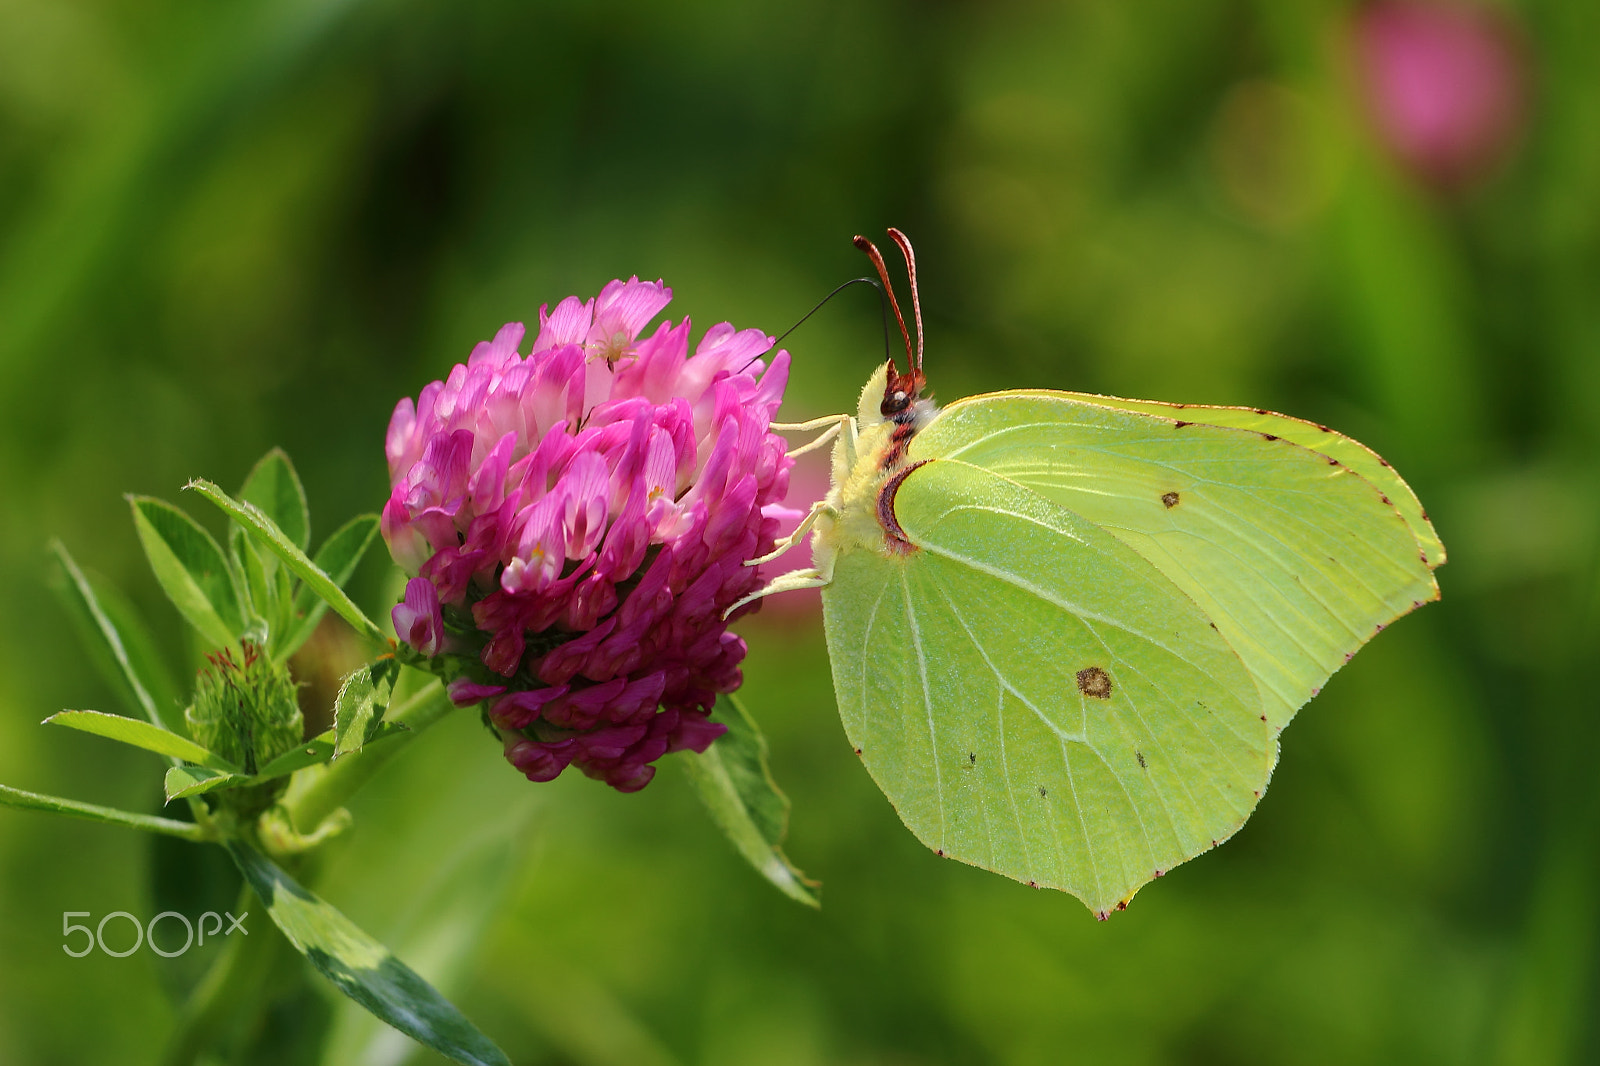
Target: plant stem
x=234 y=984
x=349 y=772
x=33 y=801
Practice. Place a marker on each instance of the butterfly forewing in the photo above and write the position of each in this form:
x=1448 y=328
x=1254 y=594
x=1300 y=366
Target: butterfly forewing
x=1352 y=453
x=1296 y=558
x=1035 y=697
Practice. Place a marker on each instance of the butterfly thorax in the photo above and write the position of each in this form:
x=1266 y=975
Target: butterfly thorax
x=860 y=512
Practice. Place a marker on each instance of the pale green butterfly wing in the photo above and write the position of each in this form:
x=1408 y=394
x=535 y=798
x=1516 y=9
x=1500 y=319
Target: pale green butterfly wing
x=1297 y=558
x=1352 y=453
x=957 y=668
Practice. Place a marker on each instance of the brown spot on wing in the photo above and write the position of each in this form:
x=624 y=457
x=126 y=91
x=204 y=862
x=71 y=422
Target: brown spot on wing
x=1170 y=499
x=1094 y=683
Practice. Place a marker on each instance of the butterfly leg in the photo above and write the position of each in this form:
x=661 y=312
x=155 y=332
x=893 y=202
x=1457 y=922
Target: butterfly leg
x=829 y=424
x=805 y=427
x=818 y=508
x=794 y=579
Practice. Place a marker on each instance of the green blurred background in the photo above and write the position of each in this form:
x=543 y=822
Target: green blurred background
x=229 y=226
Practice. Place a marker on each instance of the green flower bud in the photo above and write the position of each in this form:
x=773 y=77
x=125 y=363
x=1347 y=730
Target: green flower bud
x=248 y=714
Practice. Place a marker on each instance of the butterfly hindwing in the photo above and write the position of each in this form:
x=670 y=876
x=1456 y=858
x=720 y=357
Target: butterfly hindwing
x=1035 y=697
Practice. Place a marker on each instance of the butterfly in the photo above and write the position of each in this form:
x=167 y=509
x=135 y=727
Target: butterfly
x=1066 y=630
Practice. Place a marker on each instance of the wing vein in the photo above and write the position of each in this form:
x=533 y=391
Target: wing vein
x=927 y=708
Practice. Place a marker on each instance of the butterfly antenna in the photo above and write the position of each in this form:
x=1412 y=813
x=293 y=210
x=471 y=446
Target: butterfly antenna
x=837 y=290
x=883 y=272
x=916 y=301
x=820 y=303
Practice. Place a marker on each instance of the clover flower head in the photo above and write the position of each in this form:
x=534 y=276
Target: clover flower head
x=578 y=519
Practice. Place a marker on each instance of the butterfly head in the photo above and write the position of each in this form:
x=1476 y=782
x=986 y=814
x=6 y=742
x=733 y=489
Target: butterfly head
x=901 y=392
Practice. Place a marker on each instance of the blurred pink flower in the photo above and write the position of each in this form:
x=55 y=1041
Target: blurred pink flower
x=578 y=519
x=1444 y=82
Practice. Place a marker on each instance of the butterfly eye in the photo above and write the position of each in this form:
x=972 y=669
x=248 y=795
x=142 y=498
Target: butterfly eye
x=894 y=402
